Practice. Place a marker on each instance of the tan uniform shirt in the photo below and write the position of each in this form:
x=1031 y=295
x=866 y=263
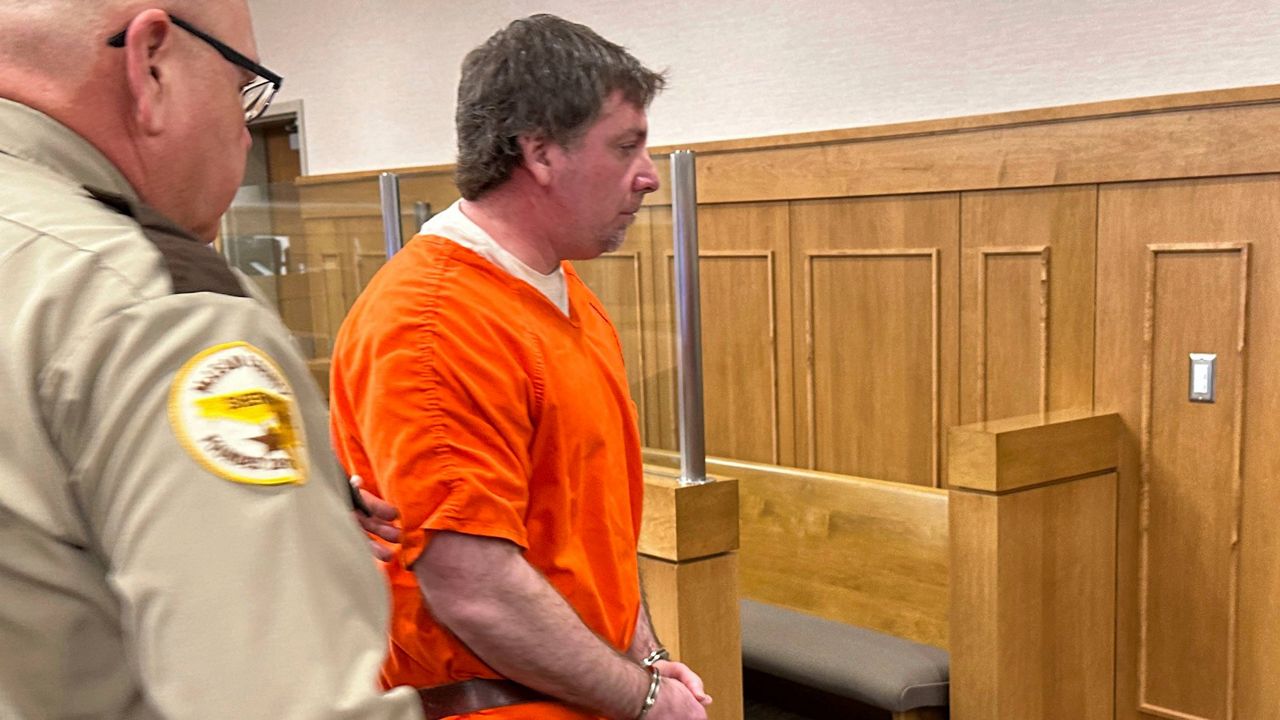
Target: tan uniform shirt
x=175 y=538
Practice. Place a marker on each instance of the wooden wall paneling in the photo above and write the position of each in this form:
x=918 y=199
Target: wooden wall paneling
x=660 y=333
x=745 y=282
x=322 y=198
x=1173 y=258
x=661 y=423
x=1154 y=106
x=1013 y=316
x=320 y=263
x=620 y=280
x=1200 y=100
x=1234 y=140
x=1258 y=643
x=1118 y=353
x=661 y=163
x=434 y=188
x=295 y=309
x=1027 y=302
x=361 y=249
x=877 y=324
x=1188 y=568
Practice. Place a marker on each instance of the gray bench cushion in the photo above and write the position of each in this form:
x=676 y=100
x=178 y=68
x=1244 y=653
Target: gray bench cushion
x=881 y=670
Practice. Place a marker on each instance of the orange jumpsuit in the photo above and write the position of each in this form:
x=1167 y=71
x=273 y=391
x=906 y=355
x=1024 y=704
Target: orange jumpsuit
x=476 y=406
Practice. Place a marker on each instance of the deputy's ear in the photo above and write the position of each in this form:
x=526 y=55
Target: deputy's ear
x=535 y=155
x=149 y=54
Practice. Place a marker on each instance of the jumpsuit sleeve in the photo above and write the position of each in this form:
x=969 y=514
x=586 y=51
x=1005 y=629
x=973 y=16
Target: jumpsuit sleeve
x=446 y=418
x=201 y=462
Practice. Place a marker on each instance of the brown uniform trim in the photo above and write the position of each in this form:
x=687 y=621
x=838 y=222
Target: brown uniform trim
x=193 y=266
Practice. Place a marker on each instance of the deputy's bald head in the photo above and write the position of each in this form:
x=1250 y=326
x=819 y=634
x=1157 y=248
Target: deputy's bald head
x=164 y=107
x=61 y=38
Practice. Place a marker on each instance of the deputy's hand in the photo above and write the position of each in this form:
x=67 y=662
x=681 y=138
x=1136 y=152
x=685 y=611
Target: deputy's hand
x=685 y=676
x=379 y=522
x=676 y=702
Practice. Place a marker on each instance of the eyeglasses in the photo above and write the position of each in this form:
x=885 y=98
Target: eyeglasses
x=255 y=96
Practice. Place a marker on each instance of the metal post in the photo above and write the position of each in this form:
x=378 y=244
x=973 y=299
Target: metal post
x=421 y=214
x=684 y=206
x=389 y=189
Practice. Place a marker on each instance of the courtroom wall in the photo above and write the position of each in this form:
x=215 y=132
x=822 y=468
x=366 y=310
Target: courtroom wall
x=377 y=79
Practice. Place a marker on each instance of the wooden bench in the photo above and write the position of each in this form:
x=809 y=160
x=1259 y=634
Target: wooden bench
x=844 y=584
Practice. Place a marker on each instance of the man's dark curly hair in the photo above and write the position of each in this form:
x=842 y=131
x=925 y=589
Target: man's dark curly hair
x=541 y=75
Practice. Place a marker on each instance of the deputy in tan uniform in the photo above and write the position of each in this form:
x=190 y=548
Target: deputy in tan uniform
x=174 y=538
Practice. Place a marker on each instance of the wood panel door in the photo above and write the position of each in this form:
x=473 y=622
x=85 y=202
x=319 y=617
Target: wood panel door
x=1186 y=267
x=1026 y=307
x=876 y=324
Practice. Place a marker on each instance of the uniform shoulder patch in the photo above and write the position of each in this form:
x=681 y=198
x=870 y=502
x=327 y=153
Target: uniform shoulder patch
x=233 y=410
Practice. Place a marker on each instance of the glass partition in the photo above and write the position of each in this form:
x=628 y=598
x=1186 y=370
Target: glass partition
x=309 y=260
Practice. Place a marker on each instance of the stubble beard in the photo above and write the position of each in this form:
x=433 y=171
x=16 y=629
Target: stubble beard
x=615 y=241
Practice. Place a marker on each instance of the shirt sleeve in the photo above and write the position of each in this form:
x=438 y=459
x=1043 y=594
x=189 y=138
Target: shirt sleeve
x=444 y=402
x=245 y=588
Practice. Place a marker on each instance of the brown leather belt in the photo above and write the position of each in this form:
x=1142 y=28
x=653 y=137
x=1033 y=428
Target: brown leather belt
x=470 y=696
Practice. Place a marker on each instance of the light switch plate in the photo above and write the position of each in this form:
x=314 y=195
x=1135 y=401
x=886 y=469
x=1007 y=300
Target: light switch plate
x=1203 y=377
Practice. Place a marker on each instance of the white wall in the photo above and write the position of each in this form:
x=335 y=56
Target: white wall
x=377 y=77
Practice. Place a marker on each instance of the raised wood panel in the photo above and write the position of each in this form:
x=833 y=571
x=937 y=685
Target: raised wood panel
x=876 y=324
x=1190 y=482
x=746 y=331
x=1216 y=141
x=1042 y=344
x=1193 y=213
x=873 y=387
x=740 y=375
x=1013 y=334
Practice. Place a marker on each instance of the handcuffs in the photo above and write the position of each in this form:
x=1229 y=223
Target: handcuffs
x=650 y=663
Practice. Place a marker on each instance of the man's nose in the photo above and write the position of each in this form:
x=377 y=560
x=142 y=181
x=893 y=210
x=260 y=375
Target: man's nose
x=647 y=179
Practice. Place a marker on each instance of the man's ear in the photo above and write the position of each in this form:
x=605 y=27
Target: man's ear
x=535 y=151
x=149 y=52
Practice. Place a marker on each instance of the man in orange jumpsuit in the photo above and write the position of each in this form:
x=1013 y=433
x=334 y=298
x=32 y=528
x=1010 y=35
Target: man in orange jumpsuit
x=479 y=384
